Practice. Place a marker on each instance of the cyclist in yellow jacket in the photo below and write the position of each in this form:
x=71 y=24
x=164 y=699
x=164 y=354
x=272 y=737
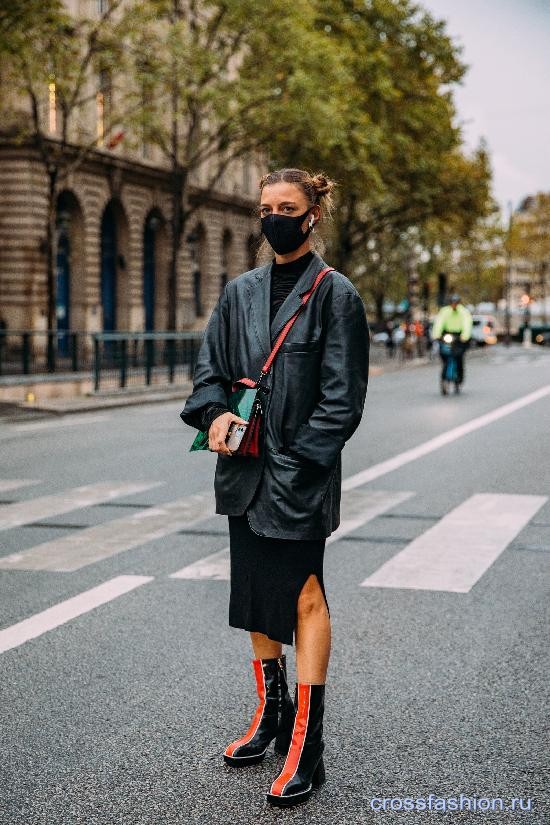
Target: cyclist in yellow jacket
x=457 y=319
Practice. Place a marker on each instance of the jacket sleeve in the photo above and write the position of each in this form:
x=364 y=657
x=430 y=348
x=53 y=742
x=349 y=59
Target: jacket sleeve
x=467 y=324
x=343 y=384
x=438 y=324
x=211 y=376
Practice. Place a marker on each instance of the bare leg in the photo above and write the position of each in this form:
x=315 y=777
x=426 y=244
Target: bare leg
x=313 y=634
x=264 y=647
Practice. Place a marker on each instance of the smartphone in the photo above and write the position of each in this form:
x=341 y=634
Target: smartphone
x=235 y=435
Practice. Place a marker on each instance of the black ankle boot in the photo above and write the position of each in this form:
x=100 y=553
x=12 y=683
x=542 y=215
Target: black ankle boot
x=304 y=768
x=274 y=717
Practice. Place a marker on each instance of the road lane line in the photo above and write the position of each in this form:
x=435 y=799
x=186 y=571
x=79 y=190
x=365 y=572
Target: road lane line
x=452 y=555
x=102 y=541
x=69 y=609
x=357 y=508
x=25 y=512
x=391 y=464
x=7 y=484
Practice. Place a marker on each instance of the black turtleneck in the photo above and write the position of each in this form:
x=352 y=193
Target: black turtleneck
x=283 y=278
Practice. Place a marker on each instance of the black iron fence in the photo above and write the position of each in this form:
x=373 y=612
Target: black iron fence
x=113 y=359
x=31 y=352
x=133 y=359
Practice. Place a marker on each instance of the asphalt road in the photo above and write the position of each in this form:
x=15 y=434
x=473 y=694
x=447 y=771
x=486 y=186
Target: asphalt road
x=118 y=711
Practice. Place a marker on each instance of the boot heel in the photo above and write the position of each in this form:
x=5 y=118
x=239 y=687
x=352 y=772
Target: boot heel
x=282 y=742
x=319 y=775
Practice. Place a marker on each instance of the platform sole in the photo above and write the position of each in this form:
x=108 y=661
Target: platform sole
x=244 y=761
x=282 y=801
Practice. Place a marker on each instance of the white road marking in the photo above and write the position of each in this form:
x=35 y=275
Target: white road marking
x=7 y=484
x=69 y=609
x=25 y=512
x=391 y=464
x=215 y=567
x=357 y=508
x=361 y=506
x=102 y=541
x=453 y=554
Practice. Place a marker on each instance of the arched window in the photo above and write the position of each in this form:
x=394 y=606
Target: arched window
x=252 y=245
x=197 y=248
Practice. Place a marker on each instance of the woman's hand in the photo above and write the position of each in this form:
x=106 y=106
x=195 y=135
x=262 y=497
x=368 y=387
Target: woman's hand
x=218 y=432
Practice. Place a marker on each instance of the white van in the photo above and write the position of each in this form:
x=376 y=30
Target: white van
x=483 y=330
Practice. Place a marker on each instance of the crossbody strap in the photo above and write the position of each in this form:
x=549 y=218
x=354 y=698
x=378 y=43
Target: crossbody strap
x=286 y=329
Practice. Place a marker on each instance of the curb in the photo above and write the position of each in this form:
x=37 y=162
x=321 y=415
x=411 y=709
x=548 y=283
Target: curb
x=93 y=403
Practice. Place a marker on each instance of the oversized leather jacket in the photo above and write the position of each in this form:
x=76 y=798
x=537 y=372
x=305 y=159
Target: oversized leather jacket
x=316 y=395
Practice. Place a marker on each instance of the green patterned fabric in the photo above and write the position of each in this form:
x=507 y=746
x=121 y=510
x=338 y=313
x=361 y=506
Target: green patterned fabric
x=240 y=403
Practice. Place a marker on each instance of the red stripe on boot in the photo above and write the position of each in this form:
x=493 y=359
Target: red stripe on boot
x=297 y=745
x=260 y=686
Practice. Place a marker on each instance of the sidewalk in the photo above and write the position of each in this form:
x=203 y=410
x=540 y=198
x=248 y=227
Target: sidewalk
x=380 y=364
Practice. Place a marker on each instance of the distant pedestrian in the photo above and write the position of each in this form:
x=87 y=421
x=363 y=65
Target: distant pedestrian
x=418 y=327
x=390 y=340
x=282 y=506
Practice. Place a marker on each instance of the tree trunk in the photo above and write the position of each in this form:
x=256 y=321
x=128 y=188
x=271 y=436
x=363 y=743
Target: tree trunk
x=177 y=227
x=379 y=298
x=343 y=245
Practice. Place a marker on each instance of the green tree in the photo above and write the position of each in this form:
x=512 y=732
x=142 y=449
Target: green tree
x=396 y=147
x=222 y=80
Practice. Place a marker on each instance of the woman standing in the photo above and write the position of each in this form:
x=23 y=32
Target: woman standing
x=282 y=506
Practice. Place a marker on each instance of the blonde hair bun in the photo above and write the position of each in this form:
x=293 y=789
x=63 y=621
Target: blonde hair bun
x=322 y=185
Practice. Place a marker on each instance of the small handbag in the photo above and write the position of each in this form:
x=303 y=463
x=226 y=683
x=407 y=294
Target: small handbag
x=247 y=399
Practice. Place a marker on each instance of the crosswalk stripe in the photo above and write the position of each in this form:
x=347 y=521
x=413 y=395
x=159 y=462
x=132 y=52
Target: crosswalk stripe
x=453 y=554
x=69 y=609
x=102 y=541
x=25 y=512
x=357 y=508
x=398 y=461
x=7 y=484
x=214 y=567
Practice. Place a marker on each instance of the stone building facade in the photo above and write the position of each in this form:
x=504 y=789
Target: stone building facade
x=113 y=244
x=113 y=217
x=529 y=281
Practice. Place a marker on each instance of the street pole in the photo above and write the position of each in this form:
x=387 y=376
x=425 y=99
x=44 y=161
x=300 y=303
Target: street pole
x=508 y=275
x=543 y=270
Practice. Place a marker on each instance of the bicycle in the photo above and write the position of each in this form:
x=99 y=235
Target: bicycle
x=450 y=348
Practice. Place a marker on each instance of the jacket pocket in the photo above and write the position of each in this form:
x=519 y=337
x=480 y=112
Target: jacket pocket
x=301 y=346
x=296 y=490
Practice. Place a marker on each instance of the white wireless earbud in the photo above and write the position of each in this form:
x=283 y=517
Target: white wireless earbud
x=311 y=222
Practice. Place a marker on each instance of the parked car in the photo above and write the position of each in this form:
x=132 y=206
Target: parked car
x=483 y=330
x=382 y=337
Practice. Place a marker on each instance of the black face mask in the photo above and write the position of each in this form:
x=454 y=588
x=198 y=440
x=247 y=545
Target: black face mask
x=284 y=232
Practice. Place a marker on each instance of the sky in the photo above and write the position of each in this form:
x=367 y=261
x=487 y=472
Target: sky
x=505 y=95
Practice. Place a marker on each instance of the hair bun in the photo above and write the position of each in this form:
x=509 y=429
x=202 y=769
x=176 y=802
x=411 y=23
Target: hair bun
x=322 y=184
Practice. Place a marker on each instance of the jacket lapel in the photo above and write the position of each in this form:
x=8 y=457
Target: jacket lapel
x=259 y=298
x=260 y=295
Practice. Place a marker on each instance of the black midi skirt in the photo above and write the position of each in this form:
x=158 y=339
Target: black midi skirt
x=267 y=575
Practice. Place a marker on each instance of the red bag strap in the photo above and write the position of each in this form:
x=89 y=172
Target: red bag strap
x=286 y=329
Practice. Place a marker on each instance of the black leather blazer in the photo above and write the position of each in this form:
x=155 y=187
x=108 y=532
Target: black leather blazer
x=317 y=389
